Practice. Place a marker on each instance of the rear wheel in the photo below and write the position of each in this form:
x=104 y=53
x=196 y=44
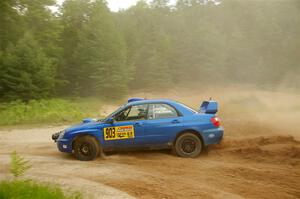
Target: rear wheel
x=188 y=145
x=86 y=148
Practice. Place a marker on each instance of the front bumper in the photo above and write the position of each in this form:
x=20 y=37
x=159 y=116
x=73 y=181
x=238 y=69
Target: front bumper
x=64 y=145
x=213 y=136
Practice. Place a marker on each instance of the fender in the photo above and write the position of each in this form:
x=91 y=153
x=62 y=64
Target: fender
x=196 y=132
x=92 y=132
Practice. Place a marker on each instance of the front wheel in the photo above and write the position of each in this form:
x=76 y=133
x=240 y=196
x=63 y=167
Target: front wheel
x=86 y=148
x=188 y=145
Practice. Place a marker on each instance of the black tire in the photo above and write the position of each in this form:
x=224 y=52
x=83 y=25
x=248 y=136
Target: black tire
x=187 y=145
x=86 y=148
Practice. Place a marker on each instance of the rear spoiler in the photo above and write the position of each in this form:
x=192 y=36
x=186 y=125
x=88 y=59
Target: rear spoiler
x=209 y=107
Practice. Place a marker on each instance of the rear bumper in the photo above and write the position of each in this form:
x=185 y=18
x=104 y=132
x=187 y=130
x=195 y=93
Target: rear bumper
x=64 y=145
x=213 y=136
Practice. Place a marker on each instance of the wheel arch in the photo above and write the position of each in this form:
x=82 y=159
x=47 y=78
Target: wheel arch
x=82 y=134
x=197 y=133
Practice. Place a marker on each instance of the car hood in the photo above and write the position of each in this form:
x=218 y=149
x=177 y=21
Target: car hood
x=84 y=126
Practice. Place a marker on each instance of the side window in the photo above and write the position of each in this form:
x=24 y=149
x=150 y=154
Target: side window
x=136 y=112
x=121 y=116
x=158 y=111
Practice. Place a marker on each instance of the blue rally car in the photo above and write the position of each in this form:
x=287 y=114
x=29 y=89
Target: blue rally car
x=141 y=123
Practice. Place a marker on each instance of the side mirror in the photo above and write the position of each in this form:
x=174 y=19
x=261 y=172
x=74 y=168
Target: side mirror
x=110 y=120
x=88 y=120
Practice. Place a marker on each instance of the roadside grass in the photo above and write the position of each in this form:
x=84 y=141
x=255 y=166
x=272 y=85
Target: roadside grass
x=19 y=188
x=30 y=190
x=49 y=111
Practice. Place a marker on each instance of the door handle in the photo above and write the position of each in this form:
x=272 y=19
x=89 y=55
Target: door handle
x=175 y=121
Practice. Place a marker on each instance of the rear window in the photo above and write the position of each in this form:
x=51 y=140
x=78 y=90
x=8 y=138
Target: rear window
x=159 y=111
x=189 y=108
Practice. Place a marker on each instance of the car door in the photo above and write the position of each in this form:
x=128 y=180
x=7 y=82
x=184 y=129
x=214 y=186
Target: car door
x=127 y=127
x=162 y=124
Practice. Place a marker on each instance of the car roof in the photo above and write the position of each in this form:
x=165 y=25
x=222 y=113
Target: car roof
x=184 y=110
x=151 y=101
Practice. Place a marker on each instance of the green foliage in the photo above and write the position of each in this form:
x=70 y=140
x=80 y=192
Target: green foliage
x=31 y=190
x=47 y=111
x=148 y=44
x=11 y=24
x=98 y=57
x=26 y=72
x=27 y=189
x=18 y=165
x=86 y=50
x=252 y=42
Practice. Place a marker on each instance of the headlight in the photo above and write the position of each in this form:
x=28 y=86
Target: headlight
x=61 y=134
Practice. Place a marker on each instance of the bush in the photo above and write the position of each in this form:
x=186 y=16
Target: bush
x=28 y=189
x=26 y=71
x=45 y=111
x=23 y=189
x=18 y=165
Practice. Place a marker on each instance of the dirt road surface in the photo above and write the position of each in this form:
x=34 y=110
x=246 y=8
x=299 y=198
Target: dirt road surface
x=255 y=160
x=260 y=167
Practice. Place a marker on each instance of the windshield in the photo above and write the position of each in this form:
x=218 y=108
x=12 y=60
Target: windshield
x=113 y=113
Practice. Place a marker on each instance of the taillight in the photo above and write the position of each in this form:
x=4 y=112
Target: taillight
x=215 y=121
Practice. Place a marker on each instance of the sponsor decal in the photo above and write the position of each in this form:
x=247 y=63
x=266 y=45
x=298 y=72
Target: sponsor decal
x=118 y=132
